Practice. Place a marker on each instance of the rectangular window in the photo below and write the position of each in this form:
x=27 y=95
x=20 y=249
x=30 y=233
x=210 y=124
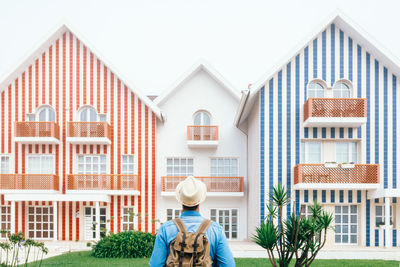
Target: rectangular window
x=128 y=219
x=311 y=152
x=305 y=211
x=228 y=219
x=128 y=166
x=224 y=167
x=346 y=224
x=4 y=164
x=173 y=213
x=40 y=222
x=346 y=152
x=92 y=164
x=5 y=218
x=179 y=166
x=40 y=164
x=380 y=215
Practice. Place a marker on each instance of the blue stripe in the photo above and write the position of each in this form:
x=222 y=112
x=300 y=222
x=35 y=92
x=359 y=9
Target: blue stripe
x=297 y=202
x=350 y=196
x=385 y=130
x=315 y=57
x=315 y=132
x=384 y=237
x=324 y=132
x=332 y=54
x=376 y=238
x=341 y=132
x=305 y=72
x=341 y=54
x=323 y=196
x=305 y=196
x=350 y=59
x=394 y=133
x=315 y=195
x=358 y=196
x=350 y=132
x=332 y=196
x=332 y=132
x=305 y=132
x=394 y=199
x=280 y=134
x=341 y=196
x=359 y=81
x=297 y=109
x=368 y=140
x=288 y=135
x=376 y=100
x=262 y=155
x=394 y=238
x=368 y=226
x=271 y=136
x=324 y=55
x=376 y=200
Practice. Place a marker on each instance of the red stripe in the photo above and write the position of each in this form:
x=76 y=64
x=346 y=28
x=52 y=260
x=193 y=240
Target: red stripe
x=16 y=157
x=70 y=220
x=84 y=149
x=71 y=71
x=112 y=214
x=43 y=78
x=77 y=149
x=112 y=124
x=2 y=122
x=36 y=83
x=153 y=173
x=91 y=149
x=64 y=132
x=98 y=149
x=57 y=160
x=84 y=75
x=119 y=214
x=23 y=216
x=78 y=47
x=77 y=222
x=146 y=166
x=16 y=217
x=63 y=221
x=71 y=163
x=98 y=85
x=30 y=149
x=132 y=123
x=125 y=200
x=119 y=135
x=9 y=119
x=132 y=201
x=126 y=120
x=140 y=159
x=16 y=100
x=43 y=149
x=105 y=149
x=23 y=97
x=91 y=78
x=50 y=75
x=105 y=89
x=37 y=149
x=57 y=85
x=23 y=158
x=50 y=149
x=2 y=199
x=30 y=89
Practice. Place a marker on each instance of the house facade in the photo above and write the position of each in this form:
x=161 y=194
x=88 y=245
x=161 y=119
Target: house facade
x=325 y=124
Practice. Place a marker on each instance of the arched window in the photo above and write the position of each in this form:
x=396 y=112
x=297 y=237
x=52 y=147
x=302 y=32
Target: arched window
x=202 y=118
x=88 y=114
x=316 y=89
x=341 y=90
x=45 y=113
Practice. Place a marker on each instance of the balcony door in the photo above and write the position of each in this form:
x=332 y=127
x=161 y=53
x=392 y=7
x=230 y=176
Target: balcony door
x=90 y=223
x=91 y=165
x=40 y=164
x=311 y=152
x=202 y=118
x=346 y=152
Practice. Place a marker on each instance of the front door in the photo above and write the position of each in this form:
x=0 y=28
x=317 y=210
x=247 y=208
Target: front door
x=90 y=223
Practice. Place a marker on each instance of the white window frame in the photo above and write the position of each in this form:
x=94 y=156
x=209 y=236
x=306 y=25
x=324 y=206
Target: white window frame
x=6 y=170
x=127 y=164
x=349 y=151
x=175 y=213
x=41 y=157
x=314 y=90
x=99 y=156
x=305 y=211
x=230 y=166
x=349 y=224
x=202 y=113
x=341 y=90
x=180 y=166
x=382 y=216
x=50 y=221
x=5 y=218
x=128 y=220
x=217 y=220
x=304 y=152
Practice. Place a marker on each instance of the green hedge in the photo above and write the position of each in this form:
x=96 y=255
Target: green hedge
x=128 y=244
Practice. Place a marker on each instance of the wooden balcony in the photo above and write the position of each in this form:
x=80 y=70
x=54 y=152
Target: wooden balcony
x=115 y=183
x=37 y=132
x=202 y=136
x=29 y=182
x=335 y=112
x=89 y=133
x=216 y=186
x=361 y=176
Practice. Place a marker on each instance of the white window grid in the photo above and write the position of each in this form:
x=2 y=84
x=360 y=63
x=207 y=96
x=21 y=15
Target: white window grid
x=305 y=211
x=40 y=164
x=346 y=224
x=5 y=164
x=41 y=222
x=5 y=219
x=173 y=213
x=224 y=167
x=179 y=166
x=311 y=152
x=128 y=164
x=128 y=219
x=92 y=164
x=228 y=219
x=315 y=89
x=346 y=152
x=380 y=215
x=341 y=90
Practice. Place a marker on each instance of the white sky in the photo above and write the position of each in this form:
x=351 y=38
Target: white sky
x=153 y=42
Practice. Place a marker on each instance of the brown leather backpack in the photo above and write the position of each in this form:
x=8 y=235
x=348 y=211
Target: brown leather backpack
x=190 y=249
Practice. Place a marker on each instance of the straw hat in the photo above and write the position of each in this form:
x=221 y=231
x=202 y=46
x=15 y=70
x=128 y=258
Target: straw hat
x=191 y=192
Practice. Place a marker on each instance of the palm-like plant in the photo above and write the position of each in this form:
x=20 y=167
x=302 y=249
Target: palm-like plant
x=296 y=236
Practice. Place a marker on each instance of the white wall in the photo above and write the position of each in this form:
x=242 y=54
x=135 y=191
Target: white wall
x=200 y=92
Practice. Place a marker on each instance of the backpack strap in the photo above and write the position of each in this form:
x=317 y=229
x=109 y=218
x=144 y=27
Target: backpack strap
x=181 y=228
x=202 y=229
x=180 y=225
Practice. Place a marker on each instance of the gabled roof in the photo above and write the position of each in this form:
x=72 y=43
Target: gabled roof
x=53 y=36
x=198 y=66
x=344 y=23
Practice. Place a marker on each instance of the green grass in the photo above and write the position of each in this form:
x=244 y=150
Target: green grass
x=84 y=259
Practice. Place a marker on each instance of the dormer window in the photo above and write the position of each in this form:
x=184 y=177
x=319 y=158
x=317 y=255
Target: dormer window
x=316 y=89
x=341 y=90
x=202 y=118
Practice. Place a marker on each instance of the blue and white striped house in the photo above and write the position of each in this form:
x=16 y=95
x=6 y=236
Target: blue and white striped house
x=325 y=124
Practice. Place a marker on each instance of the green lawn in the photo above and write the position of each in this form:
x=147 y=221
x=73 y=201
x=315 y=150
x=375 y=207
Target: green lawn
x=84 y=259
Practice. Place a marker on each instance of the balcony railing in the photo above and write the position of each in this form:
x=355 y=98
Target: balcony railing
x=318 y=173
x=214 y=184
x=335 y=107
x=202 y=133
x=103 y=182
x=29 y=182
x=37 y=129
x=84 y=131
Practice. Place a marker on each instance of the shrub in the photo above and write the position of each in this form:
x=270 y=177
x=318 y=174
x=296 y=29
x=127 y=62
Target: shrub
x=128 y=244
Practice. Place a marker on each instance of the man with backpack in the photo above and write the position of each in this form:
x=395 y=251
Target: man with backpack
x=191 y=240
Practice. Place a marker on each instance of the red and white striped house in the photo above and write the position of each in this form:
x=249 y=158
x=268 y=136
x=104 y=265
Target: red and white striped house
x=77 y=145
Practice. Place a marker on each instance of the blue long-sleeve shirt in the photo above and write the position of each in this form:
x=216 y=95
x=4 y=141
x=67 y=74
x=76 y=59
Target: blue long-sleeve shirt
x=219 y=249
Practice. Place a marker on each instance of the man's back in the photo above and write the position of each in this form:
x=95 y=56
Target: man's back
x=219 y=249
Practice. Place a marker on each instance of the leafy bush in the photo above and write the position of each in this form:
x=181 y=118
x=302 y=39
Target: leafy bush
x=128 y=244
